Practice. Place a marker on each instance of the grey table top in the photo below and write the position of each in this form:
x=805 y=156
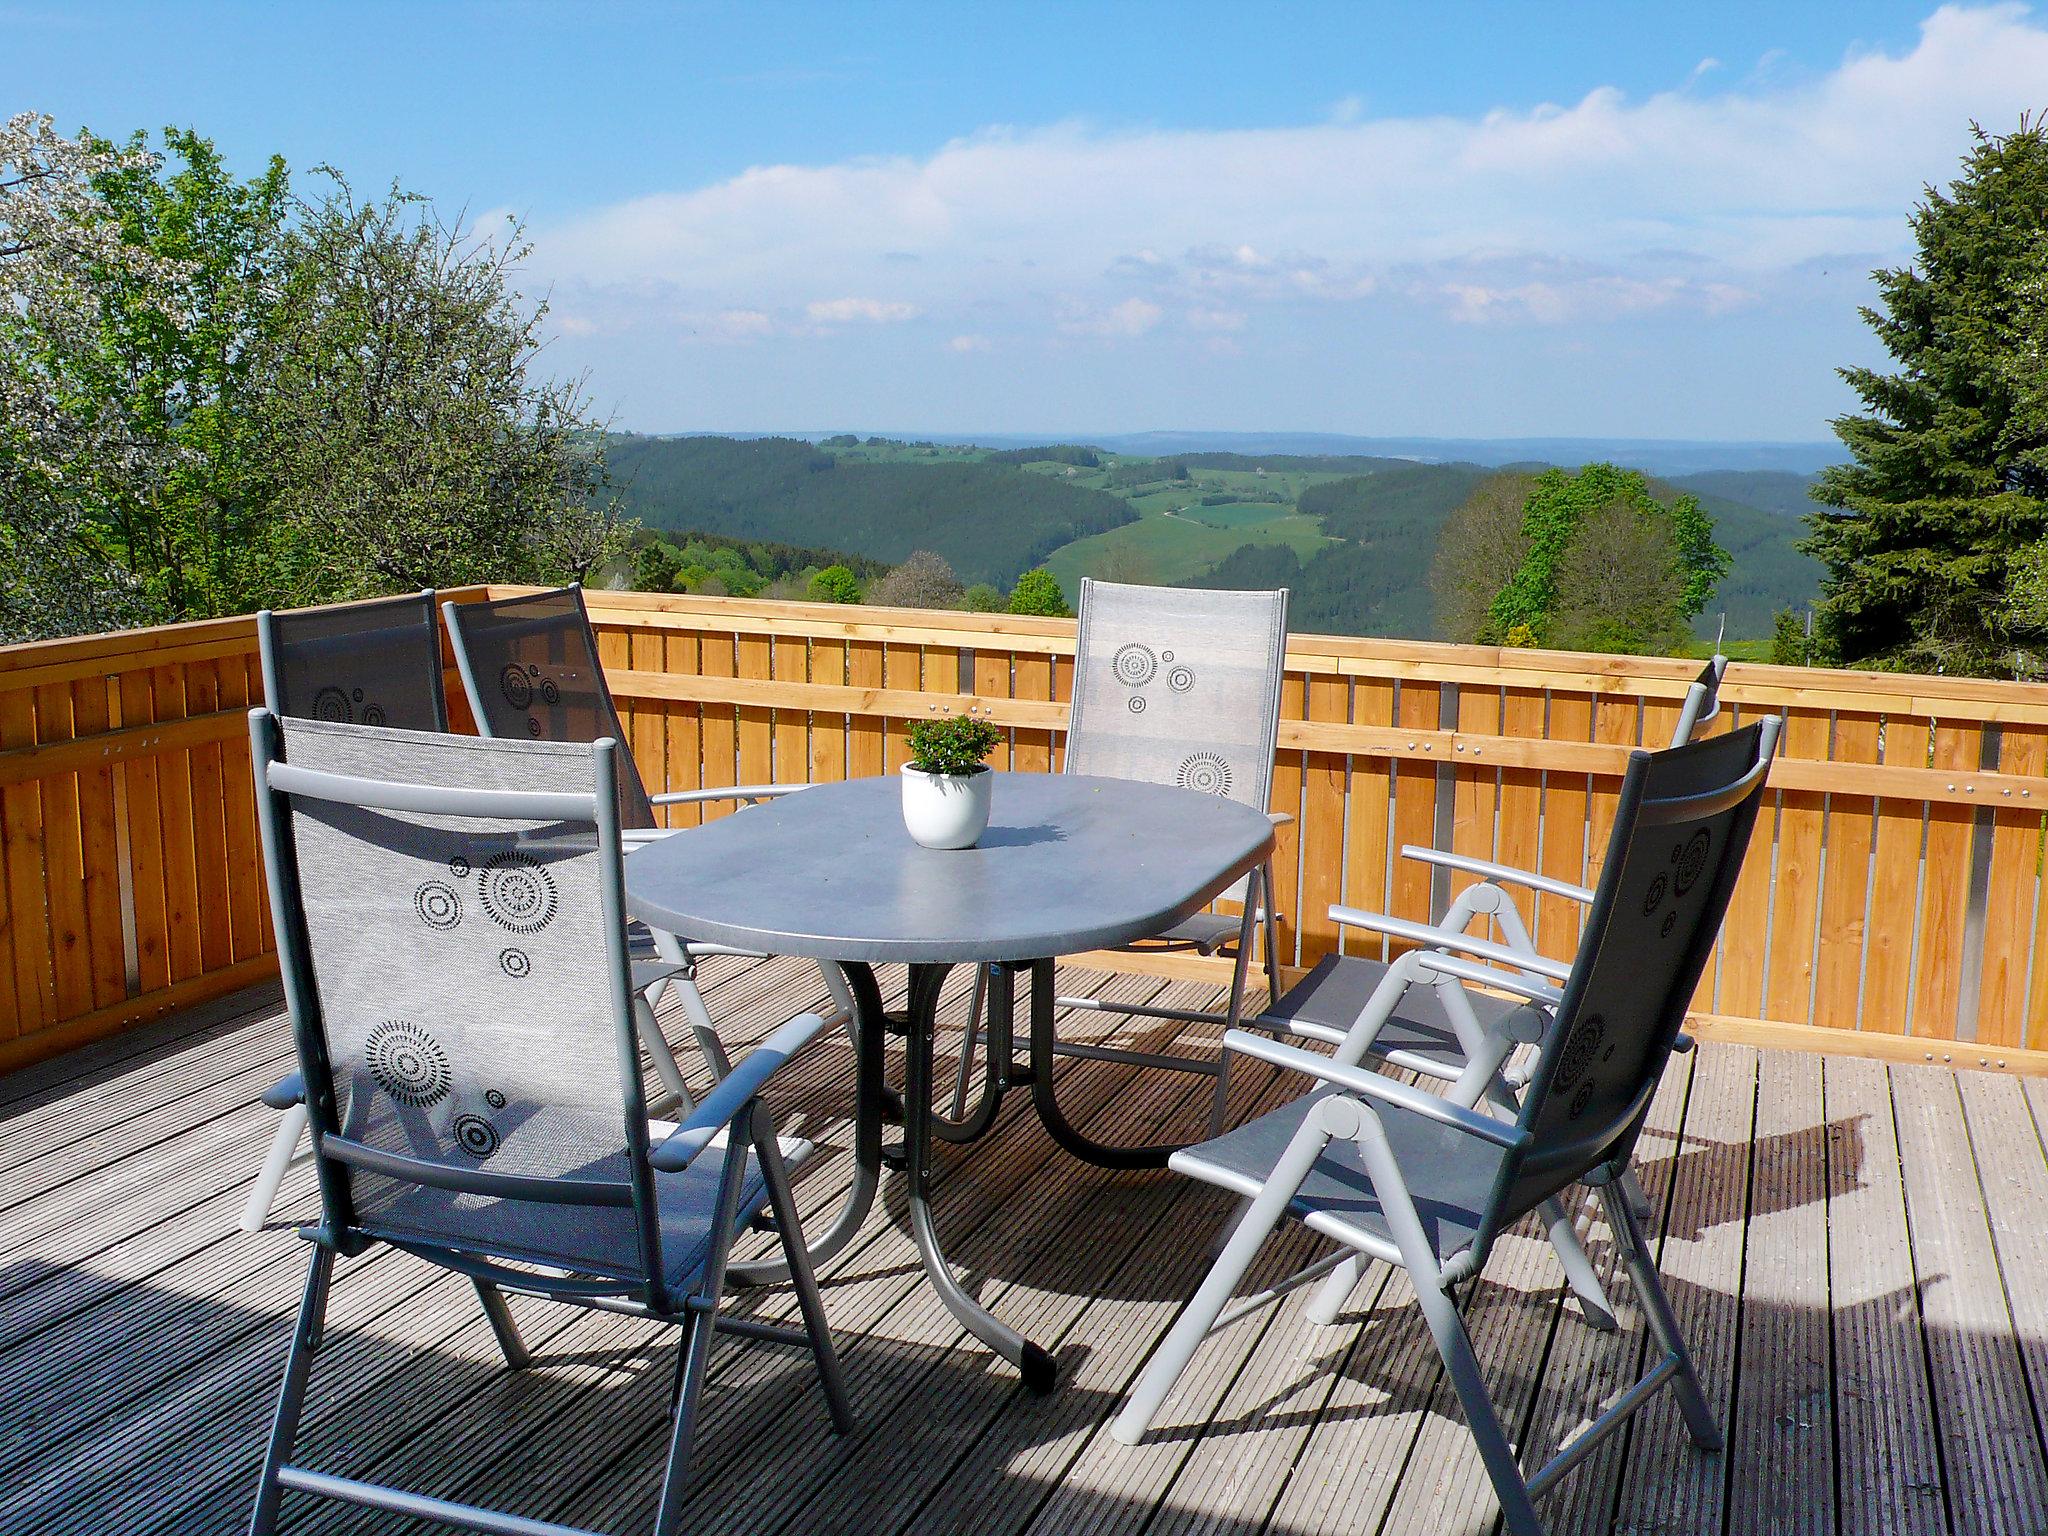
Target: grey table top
x=1069 y=863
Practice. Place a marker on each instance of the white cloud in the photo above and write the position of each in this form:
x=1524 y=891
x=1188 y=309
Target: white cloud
x=1705 y=196
x=968 y=343
x=873 y=311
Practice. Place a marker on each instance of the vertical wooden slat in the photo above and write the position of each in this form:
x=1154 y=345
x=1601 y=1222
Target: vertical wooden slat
x=1033 y=749
x=1475 y=811
x=1063 y=693
x=1418 y=708
x=92 y=716
x=21 y=830
x=717 y=654
x=1565 y=804
x=755 y=724
x=1617 y=722
x=145 y=843
x=64 y=862
x=647 y=724
x=992 y=681
x=1945 y=896
x=1287 y=781
x=1894 y=894
x=209 y=826
x=828 y=727
x=790 y=662
x=1845 y=888
x=903 y=668
x=1372 y=795
x=1796 y=883
x=864 y=732
x=246 y=903
x=2009 y=899
x=681 y=724
x=1518 y=839
x=1322 y=821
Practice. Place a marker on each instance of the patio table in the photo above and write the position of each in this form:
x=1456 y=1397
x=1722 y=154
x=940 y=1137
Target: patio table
x=1069 y=864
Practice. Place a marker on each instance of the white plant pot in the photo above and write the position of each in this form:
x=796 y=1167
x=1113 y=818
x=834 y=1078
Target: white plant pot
x=944 y=810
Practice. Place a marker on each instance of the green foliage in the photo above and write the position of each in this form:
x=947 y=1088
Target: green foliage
x=954 y=744
x=834 y=584
x=1927 y=535
x=989 y=521
x=983 y=598
x=1052 y=453
x=1037 y=592
x=1790 y=644
x=923 y=580
x=1559 y=504
x=215 y=397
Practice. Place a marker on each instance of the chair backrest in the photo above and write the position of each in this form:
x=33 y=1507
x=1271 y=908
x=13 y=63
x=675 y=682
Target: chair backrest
x=450 y=922
x=1702 y=701
x=1174 y=685
x=1680 y=832
x=530 y=668
x=372 y=663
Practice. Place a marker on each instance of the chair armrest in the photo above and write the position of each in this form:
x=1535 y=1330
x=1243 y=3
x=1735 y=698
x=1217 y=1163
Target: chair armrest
x=1374 y=1085
x=285 y=1092
x=1501 y=873
x=1445 y=938
x=738 y=1088
x=1487 y=976
x=1280 y=818
x=726 y=792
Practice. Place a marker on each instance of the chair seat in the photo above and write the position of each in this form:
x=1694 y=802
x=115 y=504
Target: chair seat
x=1449 y=1174
x=1418 y=1033
x=689 y=1199
x=1206 y=931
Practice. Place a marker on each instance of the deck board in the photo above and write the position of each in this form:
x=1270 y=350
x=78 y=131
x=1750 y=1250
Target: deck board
x=1831 y=1229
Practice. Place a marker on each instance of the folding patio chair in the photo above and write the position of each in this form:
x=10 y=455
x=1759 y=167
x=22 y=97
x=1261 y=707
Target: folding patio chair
x=1391 y=1172
x=531 y=670
x=1474 y=1054
x=1174 y=686
x=450 y=918
x=376 y=663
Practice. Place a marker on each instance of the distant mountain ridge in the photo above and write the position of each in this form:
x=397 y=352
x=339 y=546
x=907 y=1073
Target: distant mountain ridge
x=1666 y=457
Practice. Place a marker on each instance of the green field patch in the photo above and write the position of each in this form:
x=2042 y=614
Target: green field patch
x=1173 y=549
x=1237 y=514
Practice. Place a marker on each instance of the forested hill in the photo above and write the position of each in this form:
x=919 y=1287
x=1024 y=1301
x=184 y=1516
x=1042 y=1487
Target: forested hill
x=990 y=521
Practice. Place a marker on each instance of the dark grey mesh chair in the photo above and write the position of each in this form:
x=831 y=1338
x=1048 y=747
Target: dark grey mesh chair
x=376 y=663
x=531 y=670
x=1176 y=686
x=451 y=927
x=1391 y=1172
x=1470 y=1042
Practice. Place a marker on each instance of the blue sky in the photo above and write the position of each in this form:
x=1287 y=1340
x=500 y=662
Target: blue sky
x=1450 y=219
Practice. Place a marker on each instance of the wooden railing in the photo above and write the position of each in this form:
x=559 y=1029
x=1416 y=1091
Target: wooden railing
x=1891 y=905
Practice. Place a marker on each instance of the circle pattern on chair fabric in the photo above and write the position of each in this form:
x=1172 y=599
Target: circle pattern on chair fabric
x=1134 y=665
x=476 y=1136
x=438 y=905
x=459 y=867
x=517 y=688
x=1135 y=704
x=407 y=1062
x=550 y=691
x=516 y=963
x=1691 y=858
x=1180 y=679
x=332 y=705
x=518 y=894
x=1205 y=772
x=1654 y=897
x=533 y=726
x=1578 y=1051
x=374 y=715
x=494 y=1098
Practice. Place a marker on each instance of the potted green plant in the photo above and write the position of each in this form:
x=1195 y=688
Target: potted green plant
x=946 y=783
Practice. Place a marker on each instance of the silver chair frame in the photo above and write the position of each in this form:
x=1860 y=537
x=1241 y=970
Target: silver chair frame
x=729 y=1118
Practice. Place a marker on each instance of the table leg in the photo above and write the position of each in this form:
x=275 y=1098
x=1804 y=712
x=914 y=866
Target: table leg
x=1037 y=1367
x=872 y=1102
x=1045 y=1098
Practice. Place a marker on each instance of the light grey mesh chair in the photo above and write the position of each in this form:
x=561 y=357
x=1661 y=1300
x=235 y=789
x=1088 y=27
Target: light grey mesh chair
x=451 y=928
x=375 y=663
x=1172 y=686
x=1391 y=1172
x=1471 y=1042
x=531 y=670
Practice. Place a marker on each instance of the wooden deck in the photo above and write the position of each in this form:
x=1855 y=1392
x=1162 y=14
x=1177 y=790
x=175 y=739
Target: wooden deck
x=1858 y=1254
